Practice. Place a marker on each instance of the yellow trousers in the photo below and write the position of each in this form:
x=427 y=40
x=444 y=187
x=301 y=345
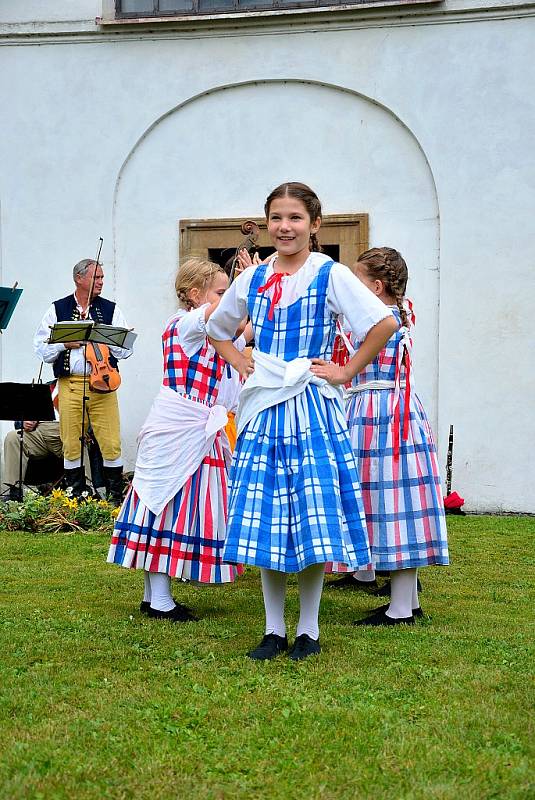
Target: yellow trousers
x=103 y=411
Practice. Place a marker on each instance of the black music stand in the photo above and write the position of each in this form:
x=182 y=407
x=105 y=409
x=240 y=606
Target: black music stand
x=25 y=401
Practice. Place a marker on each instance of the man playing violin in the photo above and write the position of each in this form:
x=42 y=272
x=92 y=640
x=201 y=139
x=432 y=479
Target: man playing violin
x=69 y=364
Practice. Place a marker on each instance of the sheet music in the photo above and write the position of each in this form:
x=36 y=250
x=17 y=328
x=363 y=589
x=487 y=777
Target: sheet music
x=90 y=331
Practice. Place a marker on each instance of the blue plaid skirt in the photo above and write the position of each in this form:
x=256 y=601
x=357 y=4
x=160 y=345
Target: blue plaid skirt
x=295 y=497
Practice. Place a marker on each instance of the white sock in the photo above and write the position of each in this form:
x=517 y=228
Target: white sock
x=415 y=598
x=160 y=591
x=116 y=462
x=146 y=587
x=310 y=587
x=401 y=587
x=274 y=591
x=364 y=575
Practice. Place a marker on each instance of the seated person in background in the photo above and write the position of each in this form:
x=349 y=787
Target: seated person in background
x=40 y=440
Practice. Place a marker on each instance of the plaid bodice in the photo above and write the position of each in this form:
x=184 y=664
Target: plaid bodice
x=197 y=377
x=383 y=366
x=306 y=327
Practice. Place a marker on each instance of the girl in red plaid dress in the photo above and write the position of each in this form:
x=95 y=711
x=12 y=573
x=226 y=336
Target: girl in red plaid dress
x=173 y=519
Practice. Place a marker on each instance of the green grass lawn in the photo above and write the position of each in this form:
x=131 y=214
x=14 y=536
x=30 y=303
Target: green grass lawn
x=100 y=702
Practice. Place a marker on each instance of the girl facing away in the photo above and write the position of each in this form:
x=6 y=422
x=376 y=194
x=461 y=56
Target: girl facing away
x=295 y=499
x=396 y=453
x=172 y=522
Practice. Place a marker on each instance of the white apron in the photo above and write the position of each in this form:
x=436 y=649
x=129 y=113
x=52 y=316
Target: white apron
x=275 y=381
x=176 y=437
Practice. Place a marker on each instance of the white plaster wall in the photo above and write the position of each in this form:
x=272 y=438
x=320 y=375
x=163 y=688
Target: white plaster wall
x=77 y=12
x=74 y=111
x=22 y=11
x=357 y=157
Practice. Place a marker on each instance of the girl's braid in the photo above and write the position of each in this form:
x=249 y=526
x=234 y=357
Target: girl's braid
x=396 y=280
x=314 y=244
x=388 y=265
x=184 y=300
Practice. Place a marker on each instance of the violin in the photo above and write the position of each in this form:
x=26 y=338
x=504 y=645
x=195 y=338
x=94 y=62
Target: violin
x=103 y=378
x=251 y=231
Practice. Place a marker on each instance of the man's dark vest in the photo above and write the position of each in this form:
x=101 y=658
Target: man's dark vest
x=101 y=310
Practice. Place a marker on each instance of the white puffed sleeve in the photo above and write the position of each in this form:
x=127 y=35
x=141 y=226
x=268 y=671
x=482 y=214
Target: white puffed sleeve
x=192 y=330
x=230 y=386
x=47 y=352
x=360 y=307
x=225 y=320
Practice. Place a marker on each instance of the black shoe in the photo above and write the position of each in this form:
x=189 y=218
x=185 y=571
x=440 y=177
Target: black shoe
x=145 y=605
x=304 y=646
x=381 y=618
x=349 y=582
x=177 y=614
x=113 y=479
x=75 y=483
x=384 y=591
x=416 y=612
x=270 y=646
x=15 y=493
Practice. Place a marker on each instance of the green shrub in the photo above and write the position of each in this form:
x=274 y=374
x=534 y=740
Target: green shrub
x=57 y=512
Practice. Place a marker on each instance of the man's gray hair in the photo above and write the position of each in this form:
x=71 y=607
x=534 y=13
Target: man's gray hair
x=82 y=266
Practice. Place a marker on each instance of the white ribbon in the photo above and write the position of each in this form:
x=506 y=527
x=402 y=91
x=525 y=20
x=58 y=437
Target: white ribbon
x=274 y=381
x=363 y=387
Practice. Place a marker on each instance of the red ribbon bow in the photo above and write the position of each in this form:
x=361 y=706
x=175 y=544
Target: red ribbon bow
x=406 y=406
x=404 y=359
x=411 y=315
x=276 y=282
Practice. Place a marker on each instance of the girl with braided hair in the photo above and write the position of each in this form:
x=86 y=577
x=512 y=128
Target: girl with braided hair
x=295 y=498
x=172 y=522
x=396 y=452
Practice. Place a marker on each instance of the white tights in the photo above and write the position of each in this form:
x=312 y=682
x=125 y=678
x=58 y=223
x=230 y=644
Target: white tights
x=310 y=582
x=158 y=591
x=146 y=587
x=403 y=593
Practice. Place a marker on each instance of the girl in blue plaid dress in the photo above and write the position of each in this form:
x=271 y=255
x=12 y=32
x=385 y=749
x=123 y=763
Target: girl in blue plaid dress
x=396 y=452
x=172 y=522
x=295 y=499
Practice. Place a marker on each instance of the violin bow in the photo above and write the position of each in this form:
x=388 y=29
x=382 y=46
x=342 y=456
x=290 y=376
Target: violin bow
x=92 y=286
